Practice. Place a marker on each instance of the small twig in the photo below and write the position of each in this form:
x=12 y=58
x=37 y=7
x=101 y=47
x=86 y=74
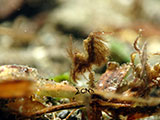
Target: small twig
x=144 y=58
x=71 y=105
x=70 y=114
x=133 y=55
x=135 y=43
x=91 y=81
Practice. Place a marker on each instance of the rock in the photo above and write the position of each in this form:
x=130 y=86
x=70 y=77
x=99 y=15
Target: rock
x=63 y=114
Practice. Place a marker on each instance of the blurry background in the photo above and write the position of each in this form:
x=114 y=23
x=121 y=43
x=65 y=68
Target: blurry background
x=36 y=32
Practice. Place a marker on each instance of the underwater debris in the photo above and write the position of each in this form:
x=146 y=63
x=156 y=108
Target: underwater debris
x=121 y=92
x=113 y=79
x=95 y=53
x=16 y=80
